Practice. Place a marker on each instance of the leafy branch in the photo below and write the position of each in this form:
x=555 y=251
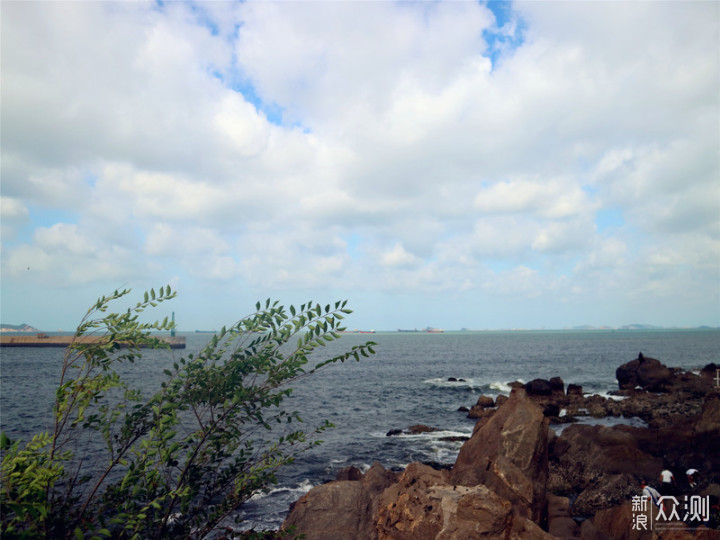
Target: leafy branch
x=177 y=462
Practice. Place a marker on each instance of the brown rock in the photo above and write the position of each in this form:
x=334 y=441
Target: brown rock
x=329 y=511
x=508 y=454
x=485 y=402
x=604 y=464
x=557 y=385
x=709 y=422
x=648 y=373
x=617 y=523
x=349 y=473
x=538 y=387
x=560 y=524
x=478 y=411
x=423 y=506
x=420 y=428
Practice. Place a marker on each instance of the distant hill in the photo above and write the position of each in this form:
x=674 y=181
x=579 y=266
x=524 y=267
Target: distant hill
x=17 y=328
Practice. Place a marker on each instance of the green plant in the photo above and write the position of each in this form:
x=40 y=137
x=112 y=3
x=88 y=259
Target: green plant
x=177 y=462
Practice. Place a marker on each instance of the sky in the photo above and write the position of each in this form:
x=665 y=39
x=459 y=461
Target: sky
x=447 y=164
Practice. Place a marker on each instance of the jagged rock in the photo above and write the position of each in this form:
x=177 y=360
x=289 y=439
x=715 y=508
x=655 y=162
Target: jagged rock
x=557 y=385
x=560 y=524
x=349 y=473
x=607 y=490
x=330 y=511
x=423 y=506
x=485 y=402
x=406 y=509
x=538 y=387
x=709 y=422
x=603 y=464
x=508 y=454
x=648 y=373
x=506 y=474
x=477 y=411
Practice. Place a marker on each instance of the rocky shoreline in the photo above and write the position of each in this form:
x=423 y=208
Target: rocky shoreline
x=516 y=478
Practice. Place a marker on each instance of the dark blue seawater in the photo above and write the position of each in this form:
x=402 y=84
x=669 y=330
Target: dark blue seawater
x=405 y=383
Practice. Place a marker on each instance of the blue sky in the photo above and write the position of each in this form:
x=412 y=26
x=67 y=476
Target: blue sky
x=449 y=164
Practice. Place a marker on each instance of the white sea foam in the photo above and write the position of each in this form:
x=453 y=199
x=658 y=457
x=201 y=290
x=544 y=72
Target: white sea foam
x=426 y=435
x=503 y=388
x=470 y=383
x=460 y=382
x=299 y=489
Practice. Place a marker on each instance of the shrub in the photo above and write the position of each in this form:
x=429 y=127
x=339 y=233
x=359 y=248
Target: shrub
x=179 y=461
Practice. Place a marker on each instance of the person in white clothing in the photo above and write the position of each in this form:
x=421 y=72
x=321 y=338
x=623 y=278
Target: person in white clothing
x=651 y=493
x=667 y=483
x=692 y=477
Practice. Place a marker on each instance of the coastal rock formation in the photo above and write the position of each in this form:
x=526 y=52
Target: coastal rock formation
x=515 y=478
x=602 y=465
x=652 y=375
x=509 y=455
x=647 y=373
x=538 y=387
x=329 y=511
x=560 y=523
x=423 y=505
x=496 y=489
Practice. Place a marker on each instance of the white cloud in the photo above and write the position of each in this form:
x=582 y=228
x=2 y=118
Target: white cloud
x=550 y=199
x=13 y=210
x=398 y=256
x=62 y=255
x=405 y=159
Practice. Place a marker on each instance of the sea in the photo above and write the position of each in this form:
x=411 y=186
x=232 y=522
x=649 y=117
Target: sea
x=414 y=378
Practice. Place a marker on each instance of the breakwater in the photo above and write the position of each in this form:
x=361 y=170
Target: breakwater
x=44 y=340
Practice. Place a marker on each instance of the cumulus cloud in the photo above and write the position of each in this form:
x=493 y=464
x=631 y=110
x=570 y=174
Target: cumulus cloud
x=13 y=210
x=63 y=255
x=398 y=256
x=367 y=147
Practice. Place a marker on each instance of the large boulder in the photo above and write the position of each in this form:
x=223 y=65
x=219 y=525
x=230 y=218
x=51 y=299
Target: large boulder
x=709 y=422
x=602 y=465
x=508 y=454
x=330 y=511
x=423 y=506
x=539 y=387
x=560 y=524
x=647 y=373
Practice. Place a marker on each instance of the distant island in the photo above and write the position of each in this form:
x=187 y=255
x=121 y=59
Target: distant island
x=17 y=328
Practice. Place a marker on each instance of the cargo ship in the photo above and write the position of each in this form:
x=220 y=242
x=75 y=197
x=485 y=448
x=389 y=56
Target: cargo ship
x=428 y=330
